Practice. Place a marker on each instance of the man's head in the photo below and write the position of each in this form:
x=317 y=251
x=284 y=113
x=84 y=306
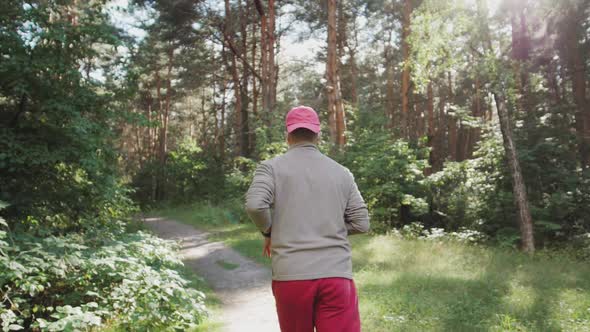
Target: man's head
x=303 y=125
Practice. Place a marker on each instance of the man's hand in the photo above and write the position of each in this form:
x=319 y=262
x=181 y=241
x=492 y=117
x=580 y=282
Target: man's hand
x=266 y=249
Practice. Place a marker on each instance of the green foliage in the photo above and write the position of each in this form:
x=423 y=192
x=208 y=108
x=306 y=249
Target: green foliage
x=56 y=137
x=388 y=173
x=437 y=45
x=465 y=193
x=78 y=281
x=477 y=193
x=190 y=173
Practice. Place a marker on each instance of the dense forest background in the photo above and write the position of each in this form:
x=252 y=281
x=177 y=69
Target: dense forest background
x=449 y=113
x=467 y=116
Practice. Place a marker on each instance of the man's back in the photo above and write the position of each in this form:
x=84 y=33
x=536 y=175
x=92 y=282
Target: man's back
x=315 y=205
x=306 y=205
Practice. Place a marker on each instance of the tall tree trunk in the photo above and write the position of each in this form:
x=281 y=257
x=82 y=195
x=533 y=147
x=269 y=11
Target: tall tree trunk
x=255 y=93
x=336 y=120
x=205 y=121
x=255 y=87
x=389 y=87
x=525 y=221
x=418 y=122
x=462 y=141
x=405 y=89
x=222 y=123
x=223 y=90
x=353 y=72
x=431 y=132
x=238 y=121
x=577 y=73
x=441 y=132
x=478 y=114
x=272 y=66
x=154 y=191
x=518 y=185
x=264 y=53
x=166 y=116
x=551 y=77
x=244 y=117
x=237 y=105
x=268 y=68
x=215 y=117
x=452 y=122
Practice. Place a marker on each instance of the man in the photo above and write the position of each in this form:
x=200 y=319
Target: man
x=306 y=205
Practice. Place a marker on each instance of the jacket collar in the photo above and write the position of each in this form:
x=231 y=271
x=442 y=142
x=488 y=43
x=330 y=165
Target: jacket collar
x=303 y=145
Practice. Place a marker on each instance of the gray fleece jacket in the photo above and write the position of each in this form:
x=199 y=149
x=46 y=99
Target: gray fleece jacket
x=312 y=204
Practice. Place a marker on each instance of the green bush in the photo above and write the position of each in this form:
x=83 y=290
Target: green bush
x=389 y=174
x=477 y=193
x=189 y=174
x=57 y=154
x=80 y=280
x=473 y=193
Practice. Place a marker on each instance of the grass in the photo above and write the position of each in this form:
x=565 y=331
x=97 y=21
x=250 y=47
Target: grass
x=227 y=265
x=417 y=285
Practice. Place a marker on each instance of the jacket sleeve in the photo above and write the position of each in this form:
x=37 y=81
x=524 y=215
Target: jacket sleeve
x=356 y=214
x=260 y=197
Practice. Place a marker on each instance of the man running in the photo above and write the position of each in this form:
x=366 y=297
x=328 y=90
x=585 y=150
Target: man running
x=306 y=205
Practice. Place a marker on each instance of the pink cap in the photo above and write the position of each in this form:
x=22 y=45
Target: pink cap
x=302 y=117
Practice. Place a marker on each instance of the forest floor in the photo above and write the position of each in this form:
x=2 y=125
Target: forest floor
x=432 y=285
x=242 y=285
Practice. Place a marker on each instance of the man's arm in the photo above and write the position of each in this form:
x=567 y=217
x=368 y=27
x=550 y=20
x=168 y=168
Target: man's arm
x=356 y=214
x=260 y=197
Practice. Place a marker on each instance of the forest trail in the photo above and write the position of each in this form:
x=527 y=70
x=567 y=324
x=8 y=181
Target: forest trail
x=243 y=285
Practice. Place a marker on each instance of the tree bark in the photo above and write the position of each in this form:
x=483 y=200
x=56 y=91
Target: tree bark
x=525 y=221
x=223 y=89
x=245 y=79
x=518 y=185
x=405 y=88
x=389 y=88
x=236 y=84
x=255 y=93
x=431 y=130
x=452 y=122
x=255 y=87
x=336 y=121
x=166 y=115
x=577 y=74
x=441 y=133
x=154 y=189
x=353 y=73
x=268 y=68
x=272 y=66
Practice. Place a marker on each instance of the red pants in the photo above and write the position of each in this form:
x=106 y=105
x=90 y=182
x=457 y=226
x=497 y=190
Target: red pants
x=329 y=304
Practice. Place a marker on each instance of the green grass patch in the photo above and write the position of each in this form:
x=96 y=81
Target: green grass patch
x=227 y=265
x=418 y=285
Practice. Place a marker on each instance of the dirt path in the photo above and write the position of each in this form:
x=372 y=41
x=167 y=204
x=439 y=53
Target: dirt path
x=242 y=284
